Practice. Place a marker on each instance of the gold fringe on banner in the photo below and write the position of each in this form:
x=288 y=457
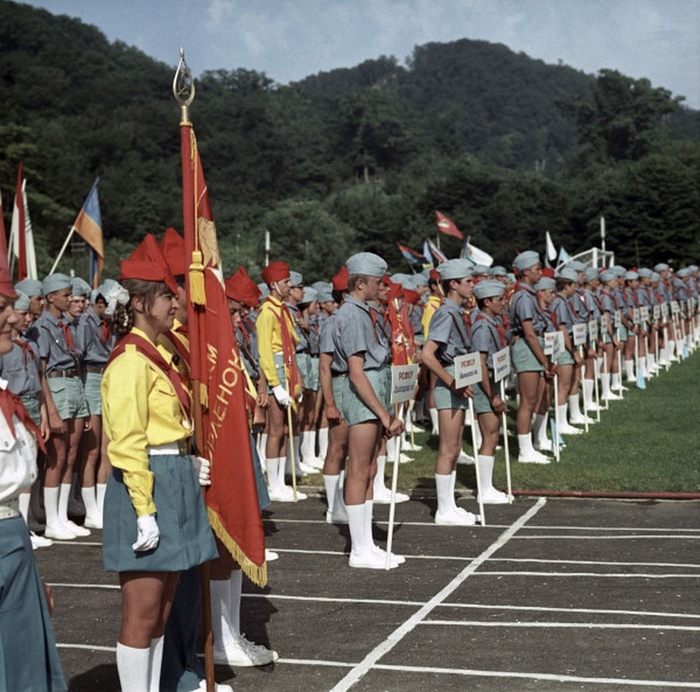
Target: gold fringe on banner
x=258 y=575
x=197 y=293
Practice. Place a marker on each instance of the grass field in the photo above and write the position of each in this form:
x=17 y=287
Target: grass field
x=649 y=442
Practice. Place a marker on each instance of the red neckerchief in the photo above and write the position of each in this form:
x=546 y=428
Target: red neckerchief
x=501 y=332
x=147 y=349
x=105 y=331
x=67 y=335
x=27 y=351
x=468 y=323
x=11 y=405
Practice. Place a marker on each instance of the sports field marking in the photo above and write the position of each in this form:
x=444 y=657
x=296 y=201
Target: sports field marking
x=83 y=586
x=327 y=599
x=359 y=671
x=606 y=575
x=561 y=625
x=536 y=676
x=86 y=647
x=536 y=527
x=631 y=537
x=88 y=543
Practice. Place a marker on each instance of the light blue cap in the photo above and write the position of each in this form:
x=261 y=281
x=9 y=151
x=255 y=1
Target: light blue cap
x=678 y=283
x=498 y=271
x=296 y=279
x=568 y=274
x=591 y=274
x=608 y=275
x=631 y=276
x=80 y=287
x=511 y=277
x=489 y=289
x=22 y=301
x=692 y=268
x=455 y=269
x=545 y=284
x=645 y=273
x=325 y=294
x=683 y=272
x=525 y=260
x=55 y=282
x=655 y=277
x=419 y=280
x=318 y=285
x=661 y=267
x=618 y=270
x=30 y=287
x=310 y=294
x=399 y=278
x=264 y=290
x=480 y=269
x=367 y=264
x=577 y=266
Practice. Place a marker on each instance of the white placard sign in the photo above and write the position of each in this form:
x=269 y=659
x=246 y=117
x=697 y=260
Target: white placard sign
x=580 y=334
x=403 y=382
x=635 y=315
x=501 y=364
x=675 y=308
x=656 y=312
x=467 y=370
x=553 y=344
x=644 y=313
x=618 y=319
x=593 y=330
x=664 y=310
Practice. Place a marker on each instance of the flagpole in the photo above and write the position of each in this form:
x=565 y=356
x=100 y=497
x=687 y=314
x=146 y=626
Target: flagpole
x=183 y=92
x=63 y=249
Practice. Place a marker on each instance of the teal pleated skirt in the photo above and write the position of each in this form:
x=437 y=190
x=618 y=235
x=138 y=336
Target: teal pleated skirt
x=186 y=538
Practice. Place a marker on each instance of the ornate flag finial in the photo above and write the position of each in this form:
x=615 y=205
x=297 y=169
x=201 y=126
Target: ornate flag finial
x=183 y=87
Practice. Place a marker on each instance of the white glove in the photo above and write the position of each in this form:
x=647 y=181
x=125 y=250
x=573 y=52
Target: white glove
x=202 y=467
x=148 y=533
x=282 y=395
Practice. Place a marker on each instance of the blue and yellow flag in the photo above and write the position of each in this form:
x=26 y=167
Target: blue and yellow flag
x=88 y=225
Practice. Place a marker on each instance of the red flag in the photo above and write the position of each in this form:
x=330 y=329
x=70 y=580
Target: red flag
x=19 y=228
x=218 y=378
x=403 y=348
x=3 y=234
x=447 y=226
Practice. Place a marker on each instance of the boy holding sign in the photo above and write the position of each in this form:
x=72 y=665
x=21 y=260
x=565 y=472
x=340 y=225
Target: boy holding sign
x=488 y=337
x=362 y=351
x=449 y=338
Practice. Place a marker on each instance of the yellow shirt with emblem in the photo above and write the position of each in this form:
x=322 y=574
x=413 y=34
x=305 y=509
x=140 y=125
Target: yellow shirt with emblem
x=270 y=336
x=431 y=305
x=139 y=409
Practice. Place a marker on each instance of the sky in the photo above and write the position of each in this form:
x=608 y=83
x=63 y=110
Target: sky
x=291 y=39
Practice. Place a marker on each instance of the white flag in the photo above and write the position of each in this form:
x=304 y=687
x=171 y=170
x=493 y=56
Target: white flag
x=478 y=256
x=551 y=250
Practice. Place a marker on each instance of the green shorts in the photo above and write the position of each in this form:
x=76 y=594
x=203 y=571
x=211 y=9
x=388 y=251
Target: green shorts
x=445 y=398
x=624 y=334
x=311 y=379
x=279 y=367
x=565 y=358
x=33 y=405
x=68 y=396
x=482 y=404
x=351 y=406
x=338 y=384
x=93 y=381
x=524 y=359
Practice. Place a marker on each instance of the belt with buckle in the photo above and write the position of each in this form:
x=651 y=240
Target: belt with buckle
x=8 y=512
x=98 y=369
x=335 y=374
x=63 y=373
x=179 y=448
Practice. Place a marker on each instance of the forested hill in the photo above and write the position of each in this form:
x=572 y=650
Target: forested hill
x=350 y=159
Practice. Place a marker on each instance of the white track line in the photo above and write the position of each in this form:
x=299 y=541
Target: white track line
x=666 y=684
x=602 y=575
x=86 y=647
x=324 y=599
x=84 y=586
x=561 y=625
x=359 y=671
x=631 y=537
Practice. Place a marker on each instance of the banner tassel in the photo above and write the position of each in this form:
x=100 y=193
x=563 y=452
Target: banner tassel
x=197 y=294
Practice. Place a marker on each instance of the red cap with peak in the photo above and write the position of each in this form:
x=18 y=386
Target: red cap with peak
x=275 y=271
x=147 y=263
x=172 y=245
x=240 y=287
x=340 y=280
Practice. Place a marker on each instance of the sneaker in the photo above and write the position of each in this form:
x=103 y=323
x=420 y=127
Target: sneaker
x=370 y=560
x=77 y=530
x=384 y=498
x=415 y=428
x=307 y=469
x=244 y=654
x=316 y=463
x=39 y=541
x=581 y=420
x=495 y=497
x=566 y=429
x=533 y=457
x=340 y=516
x=414 y=448
x=464 y=458
x=92 y=522
x=612 y=397
x=271 y=555
x=398 y=559
x=218 y=687
x=544 y=446
x=285 y=494
x=59 y=532
x=455 y=517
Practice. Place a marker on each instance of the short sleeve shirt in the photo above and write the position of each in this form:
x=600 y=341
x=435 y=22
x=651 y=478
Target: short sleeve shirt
x=21 y=367
x=449 y=331
x=524 y=306
x=356 y=332
x=53 y=348
x=486 y=338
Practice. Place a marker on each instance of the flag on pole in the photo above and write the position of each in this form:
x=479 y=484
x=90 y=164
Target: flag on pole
x=217 y=372
x=551 y=250
x=88 y=225
x=3 y=235
x=447 y=226
x=412 y=256
x=21 y=236
x=435 y=251
x=475 y=255
x=564 y=256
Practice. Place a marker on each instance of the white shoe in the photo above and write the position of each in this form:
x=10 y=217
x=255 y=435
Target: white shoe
x=544 y=446
x=244 y=654
x=218 y=687
x=77 y=530
x=612 y=396
x=464 y=458
x=340 y=516
x=59 y=532
x=398 y=559
x=286 y=494
x=455 y=517
x=593 y=407
x=384 y=497
x=412 y=427
x=533 y=457
x=494 y=497
x=414 y=448
x=566 y=429
x=316 y=463
x=581 y=420
x=93 y=522
x=370 y=560
x=619 y=388
x=271 y=555
x=307 y=469
x=39 y=541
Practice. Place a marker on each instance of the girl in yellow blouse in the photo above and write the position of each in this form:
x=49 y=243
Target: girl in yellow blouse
x=155 y=523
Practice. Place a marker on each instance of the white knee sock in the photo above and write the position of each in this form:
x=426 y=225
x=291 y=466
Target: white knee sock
x=588 y=386
x=306 y=446
x=221 y=625
x=322 y=442
x=23 y=501
x=272 y=466
x=539 y=428
x=90 y=501
x=525 y=444
x=356 y=524
x=445 y=492
x=262 y=448
x=155 y=663
x=236 y=584
x=369 y=537
x=629 y=369
x=63 y=499
x=133 y=666
x=453 y=485
x=616 y=381
x=379 y=484
x=434 y=419
x=562 y=415
x=100 y=490
x=485 y=473
x=330 y=483
x=51 y=506
x=574 y=409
